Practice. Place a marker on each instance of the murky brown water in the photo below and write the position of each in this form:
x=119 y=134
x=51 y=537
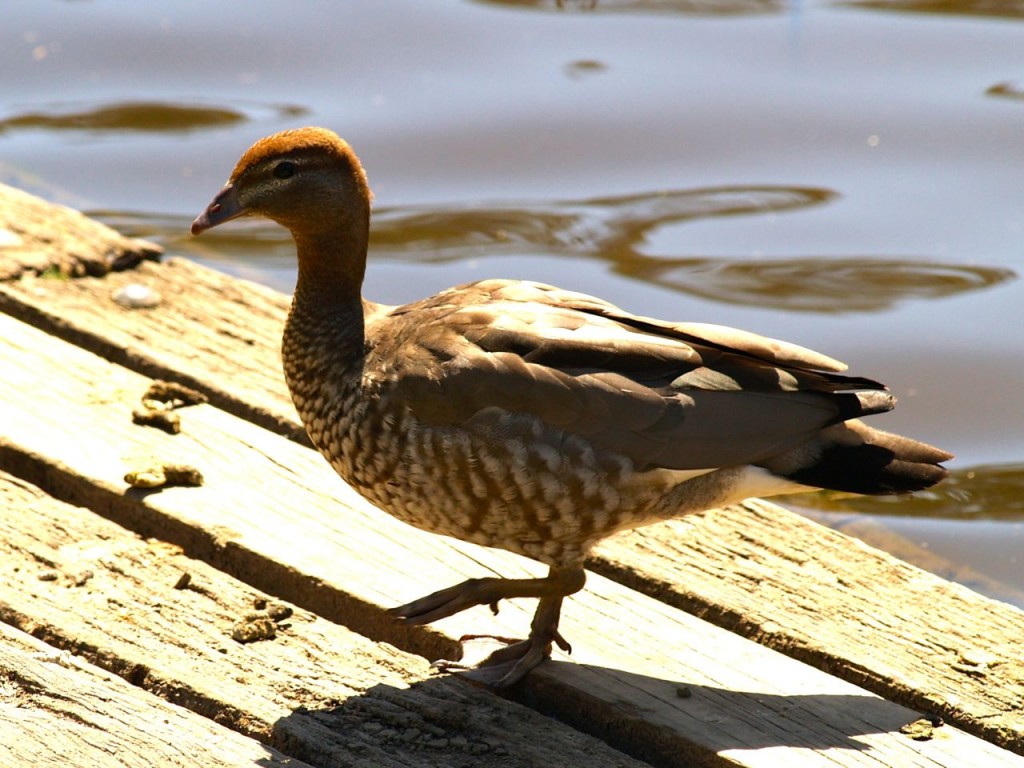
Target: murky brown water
x=844 y=175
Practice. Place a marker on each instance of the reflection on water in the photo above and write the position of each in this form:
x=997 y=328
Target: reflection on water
x=1006 y=91
x=826 y=284
x=614 y=229
x=1006 y=9
x=142 y=116
x=682 y=7
x=162 y=228
x=581 y=68
x=987 y=492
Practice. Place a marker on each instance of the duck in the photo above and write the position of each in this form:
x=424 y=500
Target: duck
x=526 y=417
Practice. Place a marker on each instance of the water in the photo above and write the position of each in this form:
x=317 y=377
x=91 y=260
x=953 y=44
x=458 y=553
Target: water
x=843 y=175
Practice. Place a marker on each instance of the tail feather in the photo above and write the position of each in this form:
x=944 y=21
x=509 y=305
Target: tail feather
x=863 y=402
x=857 y=458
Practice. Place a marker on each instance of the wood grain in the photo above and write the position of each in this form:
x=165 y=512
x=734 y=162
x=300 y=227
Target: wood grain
x=58 y=711
x=315 y=690
x=847 y=608
x=37 y=237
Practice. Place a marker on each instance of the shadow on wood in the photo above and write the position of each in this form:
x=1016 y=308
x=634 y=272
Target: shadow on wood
x=388 y=715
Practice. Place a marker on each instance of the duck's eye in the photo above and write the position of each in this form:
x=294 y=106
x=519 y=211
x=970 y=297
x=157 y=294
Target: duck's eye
x=284 y=170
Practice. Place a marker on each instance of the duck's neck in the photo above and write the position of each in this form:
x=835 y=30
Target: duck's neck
x=331 y=267
x=326 y=325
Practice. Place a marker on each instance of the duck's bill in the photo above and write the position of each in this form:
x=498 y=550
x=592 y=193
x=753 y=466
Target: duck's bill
x=225 y=206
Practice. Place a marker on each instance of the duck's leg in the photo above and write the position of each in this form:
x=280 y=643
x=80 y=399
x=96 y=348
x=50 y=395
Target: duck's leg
x=510 y=664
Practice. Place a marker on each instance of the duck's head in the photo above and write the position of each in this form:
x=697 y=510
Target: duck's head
x=308 y=180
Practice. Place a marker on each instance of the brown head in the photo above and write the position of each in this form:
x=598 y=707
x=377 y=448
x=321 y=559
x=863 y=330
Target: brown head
x=308 y=180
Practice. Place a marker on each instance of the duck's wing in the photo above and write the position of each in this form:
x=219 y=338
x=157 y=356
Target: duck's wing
x=679 y=396
x=770 y=350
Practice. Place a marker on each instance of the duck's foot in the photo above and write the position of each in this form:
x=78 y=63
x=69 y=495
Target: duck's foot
x=508 y=665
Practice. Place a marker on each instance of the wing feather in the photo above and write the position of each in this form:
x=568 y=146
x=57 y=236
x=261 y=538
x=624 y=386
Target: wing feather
x=673 y=395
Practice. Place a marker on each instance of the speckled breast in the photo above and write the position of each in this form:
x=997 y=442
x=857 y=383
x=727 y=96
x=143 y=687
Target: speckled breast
x=500 y=479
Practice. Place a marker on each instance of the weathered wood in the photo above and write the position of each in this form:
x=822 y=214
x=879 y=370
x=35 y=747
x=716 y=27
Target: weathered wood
x=218 y=335
x=315 y=690
x=877 y=534
x=275 y=515
x=221 y=335
x=39 y=237
x=814 y=592
x=57 y=711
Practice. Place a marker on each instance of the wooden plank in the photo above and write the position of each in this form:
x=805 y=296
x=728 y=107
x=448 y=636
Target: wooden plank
x=218 y=335
x=222 y=335
x=670 y=689
x=38 y=237
x=315 y=690
x=785 y=581
x=878 y=533
x=57 y=711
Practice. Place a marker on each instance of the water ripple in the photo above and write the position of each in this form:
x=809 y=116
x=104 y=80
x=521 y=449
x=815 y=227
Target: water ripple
x=613 y=228
x=1006 y=91
x=825 y=284
x=984 y=492
x=141 y=116
x=616 y=230
x=1003 y=9
x=638 y=7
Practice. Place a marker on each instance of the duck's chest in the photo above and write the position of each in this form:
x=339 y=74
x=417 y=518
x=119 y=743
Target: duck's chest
x=512 y=485
x=355 y=422
x=351 y=430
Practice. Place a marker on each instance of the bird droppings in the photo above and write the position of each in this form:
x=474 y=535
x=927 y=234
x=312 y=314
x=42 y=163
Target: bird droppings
x=279 y=612
x=160 y=402
x=136 y=296
x=168 y=421
x=164 y=476
x=9 y=239
x=173 y=394
x=261 y=624
x=254 y=627
x=922 y=729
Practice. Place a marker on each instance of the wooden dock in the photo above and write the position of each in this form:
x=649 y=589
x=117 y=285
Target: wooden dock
x=243 y=621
